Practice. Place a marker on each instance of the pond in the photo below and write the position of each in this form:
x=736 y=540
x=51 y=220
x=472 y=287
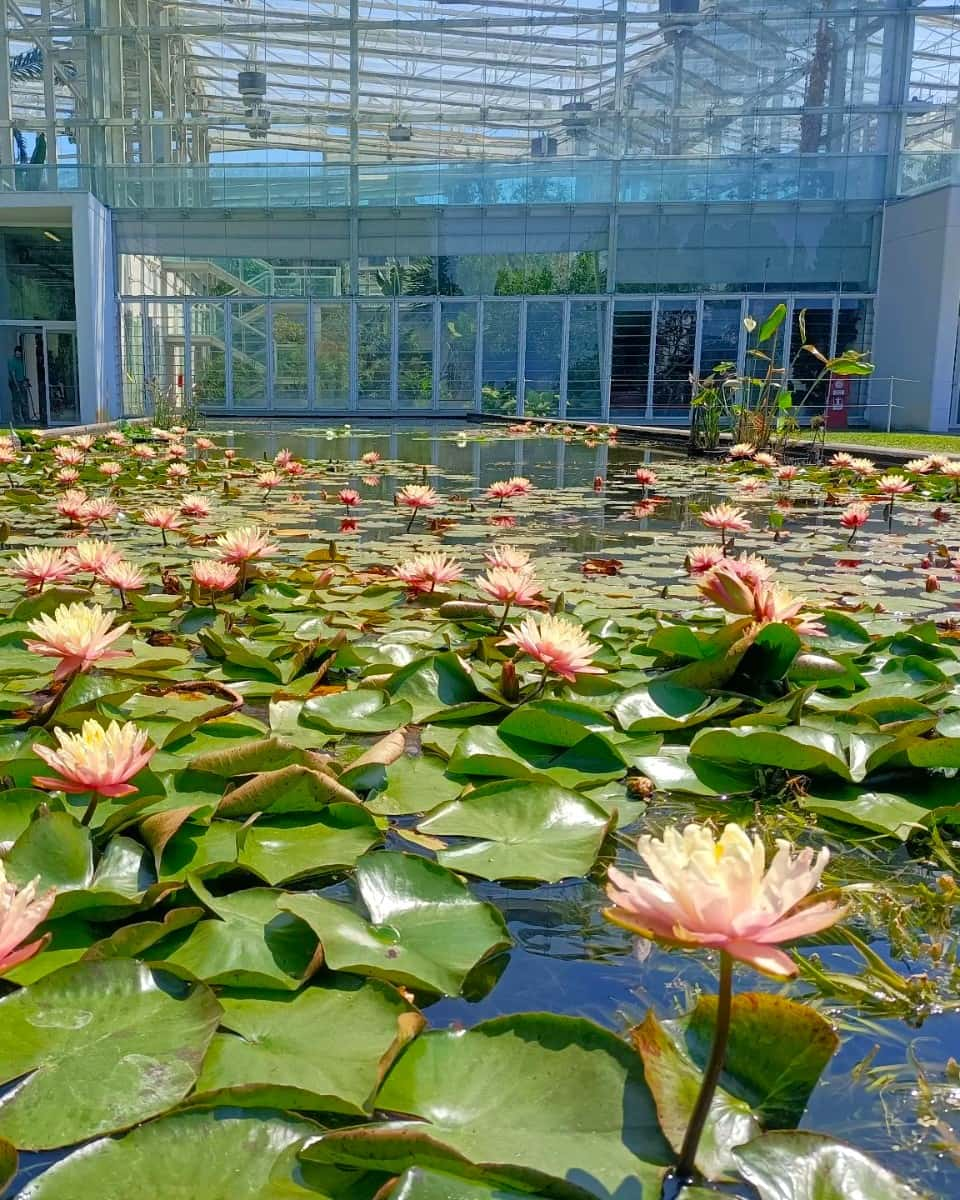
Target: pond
x=234 y=871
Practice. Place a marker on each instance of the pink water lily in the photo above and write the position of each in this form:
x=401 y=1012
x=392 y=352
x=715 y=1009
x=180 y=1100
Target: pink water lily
x=79 y=635
x=560 y=644
x=719 y=893
x=40 y=565
x=21 y=911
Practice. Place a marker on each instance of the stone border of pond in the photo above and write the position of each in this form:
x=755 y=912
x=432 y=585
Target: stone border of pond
x=677 y=437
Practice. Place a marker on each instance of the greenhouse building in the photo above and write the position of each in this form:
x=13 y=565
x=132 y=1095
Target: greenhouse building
x=528 y=207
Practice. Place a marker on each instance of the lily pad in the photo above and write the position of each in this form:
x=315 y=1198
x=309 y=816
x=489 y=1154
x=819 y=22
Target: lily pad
x=224 y=1155
x=325 y=1049
x=426 y=930
x=360 y=711
x=284 y=848
x=500 y=1095
x=122 y=1042
x=527 y=830
x=810 y=1166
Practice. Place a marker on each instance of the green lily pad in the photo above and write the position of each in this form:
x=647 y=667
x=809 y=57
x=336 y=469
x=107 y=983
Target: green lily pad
x=360 y=711
x=554 y=722
x=224 y=1155
x=414 y=785
x=284 y=848
x=426 y=930
x=439 y=688
x=325 y=1049
x=810 y=1166
x=527 y=830
x=661 y=705
x=249 y=943
x=122 y=1042
x=501 y=1095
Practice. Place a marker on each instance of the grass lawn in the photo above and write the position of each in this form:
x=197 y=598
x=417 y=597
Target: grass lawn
x=901 y=441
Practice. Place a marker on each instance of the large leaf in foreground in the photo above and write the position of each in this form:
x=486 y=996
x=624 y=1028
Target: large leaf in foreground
x=426 y=930
x=102 y=1045
x=419 y=1184
x=557 y=1095
x=810 y=1166
x=213 y=1155
x=776 y=1054
x=528 y=830
x=279 y=849
x=325 y=1049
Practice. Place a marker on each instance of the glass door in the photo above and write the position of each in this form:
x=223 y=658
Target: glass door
x=63 y=396
x=24 y=399
x=291 y=345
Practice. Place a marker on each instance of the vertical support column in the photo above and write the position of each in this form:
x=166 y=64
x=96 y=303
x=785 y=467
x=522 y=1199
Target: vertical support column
x=522 y=358
x=394 y=354
x=353 y=400
x=6 y=132
x=651 y=371
x=564 y=356
x=435 y=391
x=268 y=326
x=187 y=352
x=354 y=197
x=311 y=355
x=606 y=356
x=228 y=355
x=478 y=361
x=49 y=104
x=698 y=338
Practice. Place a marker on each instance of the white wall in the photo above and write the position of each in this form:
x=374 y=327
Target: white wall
x=918 y=302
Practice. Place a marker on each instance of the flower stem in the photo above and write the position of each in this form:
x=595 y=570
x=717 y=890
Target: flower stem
x=503 y=619
x=90 y=810
x=413 y=517
x=711 y=1076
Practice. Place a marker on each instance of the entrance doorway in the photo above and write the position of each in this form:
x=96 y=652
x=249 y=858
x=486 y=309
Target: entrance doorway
x=41 y=367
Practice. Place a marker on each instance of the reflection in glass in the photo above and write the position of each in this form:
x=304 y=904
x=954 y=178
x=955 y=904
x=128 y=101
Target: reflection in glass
x=331 y=364
x=630 y=365
x=674 y=356
x=290 y=356
x=855 y=332
x=415 y=355
x=208 y=354
x=133 y=376
x=542 y=358
x=61 y=366
x=720 y=335
x=373 y=355
x=248 y=353
x=501 y=328
x=165 y=353
x=812 y=326
x=585 y=358
x=458 y=353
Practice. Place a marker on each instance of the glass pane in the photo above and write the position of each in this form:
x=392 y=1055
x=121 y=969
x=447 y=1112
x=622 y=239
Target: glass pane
x=331 y=337
x=630 y=366
x=498 y=381
x=812 y=326
x=133 y=377
x=208 y=351
x=855 y=332
x=164 y=324
x=415 y=355
x=585 y=358
x=24 y=402
x=290 y=356
x=36 y=273
x=458 y=353
x=248 y=353
x=62 y=379
x=673 y=357
x=759 y=308
x=720 y=336
x=373 y=355
x=542 y=359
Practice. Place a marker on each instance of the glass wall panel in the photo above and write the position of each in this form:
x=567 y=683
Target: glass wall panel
x=541 y=370
x=64 y=396
x=720 y=335
x=208 y=353
x=165 y=342
x=373 y=355
x=457 y=368
x=630 y=365
x=133 y=373
x=248 y=353
x=812 y=326
x=674 y=357
x=759 y=308
x=855 y=332
x=585 y=352
x=501 y=344
x=36 y=274
x=290 y=356
x=331 y=349
x=415 y=355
